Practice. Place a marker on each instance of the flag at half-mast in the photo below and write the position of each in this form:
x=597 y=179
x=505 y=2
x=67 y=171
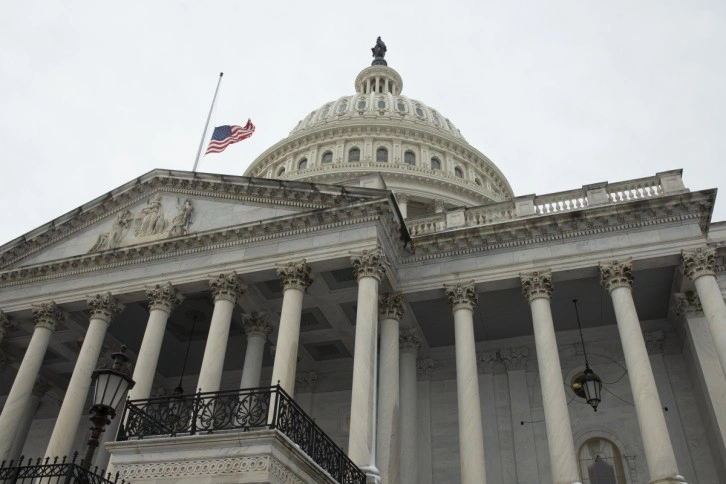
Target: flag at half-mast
x=224 y=136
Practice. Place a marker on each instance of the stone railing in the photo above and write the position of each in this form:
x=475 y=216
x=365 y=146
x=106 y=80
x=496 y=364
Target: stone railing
x=595 y=195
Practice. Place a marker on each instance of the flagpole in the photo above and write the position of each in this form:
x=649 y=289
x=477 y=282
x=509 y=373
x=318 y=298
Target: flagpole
x=206 y=125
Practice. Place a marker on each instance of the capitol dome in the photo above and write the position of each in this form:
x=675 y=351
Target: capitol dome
x=419 y=153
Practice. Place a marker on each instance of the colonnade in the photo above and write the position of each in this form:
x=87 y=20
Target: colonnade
x=383 y=421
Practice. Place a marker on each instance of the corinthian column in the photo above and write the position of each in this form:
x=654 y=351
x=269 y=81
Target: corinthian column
x=46 y=316
x=103 y=308
x=462 y=299
x=295 y=277
x=257 y=329
x=41 y=388
x=617 y=278
x=390 y=311
x=226 y=288
x=369 y=268
x=699 y=266
x=537 y=289
x=162 y=299
x=410 y=342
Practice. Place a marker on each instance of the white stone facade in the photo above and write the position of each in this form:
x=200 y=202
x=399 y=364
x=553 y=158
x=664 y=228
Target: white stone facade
x=323 y=281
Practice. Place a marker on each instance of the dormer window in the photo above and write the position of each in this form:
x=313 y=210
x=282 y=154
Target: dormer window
x=409 y=157
x=435 y=163
x=328 y=157
x=353 y=155
x=382 y=155
x=281 y=171
x=302 y=164
x=458 y=172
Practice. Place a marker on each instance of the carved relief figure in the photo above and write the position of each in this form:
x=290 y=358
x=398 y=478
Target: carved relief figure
x=150 y=220
x=112 y=239
x=180 y=224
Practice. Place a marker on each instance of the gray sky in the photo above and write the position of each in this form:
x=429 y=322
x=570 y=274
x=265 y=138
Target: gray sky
x=557 y=93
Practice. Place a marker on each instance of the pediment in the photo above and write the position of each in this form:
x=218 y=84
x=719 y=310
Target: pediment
x=165 y=206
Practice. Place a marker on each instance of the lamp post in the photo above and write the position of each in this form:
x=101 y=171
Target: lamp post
x=111 y=387
x=589 y=382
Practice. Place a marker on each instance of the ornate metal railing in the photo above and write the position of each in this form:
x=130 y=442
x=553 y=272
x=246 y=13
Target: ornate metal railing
x=55 y=471
x=242 y=410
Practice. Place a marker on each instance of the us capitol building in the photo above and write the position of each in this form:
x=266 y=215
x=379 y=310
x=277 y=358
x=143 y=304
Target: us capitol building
x=371 y=302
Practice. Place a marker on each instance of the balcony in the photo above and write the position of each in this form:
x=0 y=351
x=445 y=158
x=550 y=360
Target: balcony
x=56 y=471
x=243 y=432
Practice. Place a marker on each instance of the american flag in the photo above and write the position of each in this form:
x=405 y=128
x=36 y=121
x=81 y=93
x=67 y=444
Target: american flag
x=224 y=136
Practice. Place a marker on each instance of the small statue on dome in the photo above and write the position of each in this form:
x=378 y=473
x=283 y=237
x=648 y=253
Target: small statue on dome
x=379 y=52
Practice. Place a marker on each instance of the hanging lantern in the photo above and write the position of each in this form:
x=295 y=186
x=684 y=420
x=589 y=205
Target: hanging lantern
x=588 y=384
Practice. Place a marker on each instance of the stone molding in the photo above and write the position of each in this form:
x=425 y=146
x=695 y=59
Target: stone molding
x=255 y=324
x=461 y=295
x=163 y=296
x=104 y=307
x=227 y=287
x=409 y=340
x=47 y=315
x=537 y=285
x=654 y=341
x=699 y=262
x=614 y=274
x=369 y=263
x=424 y=368
x=514 y=358
x=209 y=467
x=305 y=382
x=295 y=275
x=687 y=304
x=391 y=306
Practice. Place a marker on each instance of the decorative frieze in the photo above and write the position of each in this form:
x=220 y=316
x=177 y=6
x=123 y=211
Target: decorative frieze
x=654 y=341
x=163 y=296
x=486 y=361
x=536 y=285
x=424 y=368
x=255 y=324
x=699 y=262
x=391 y=306
x=614 y=274
x=514 y=358
x=47 y=315
x=409 y=340
x=227 y=287
x=687 y=304
x=369 y=263
x=461 y=295
x=295 y=275
x=104 y=307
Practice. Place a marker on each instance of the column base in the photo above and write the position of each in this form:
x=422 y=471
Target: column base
x=668 y=480
x=373 y=475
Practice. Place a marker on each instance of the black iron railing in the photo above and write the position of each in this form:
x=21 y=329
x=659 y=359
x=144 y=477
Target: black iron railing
x=243 y=410
x=53 y=471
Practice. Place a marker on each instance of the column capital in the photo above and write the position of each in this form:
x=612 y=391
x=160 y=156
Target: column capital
x=461 y=295
x=47 y=315
x=163 y=296
x=227 y=287
x=369 y=263
x=255 y=324
x=687 y=304
x=391 y=306
x=409 y=340
x=514 y=358
x=654 y=341
x=699 y=262
x=104 y=307
x=402 y=197
x=295 y=275
x=537 y=284
x=486 y=361
x=424 y=368
x=305 y=382
x=439 y=205
x=614 y=274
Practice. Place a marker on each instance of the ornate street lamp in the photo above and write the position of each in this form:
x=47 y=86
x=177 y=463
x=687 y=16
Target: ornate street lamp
x=111 y=387
x=588 y=382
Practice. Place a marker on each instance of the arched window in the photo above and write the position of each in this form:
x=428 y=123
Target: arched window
x=302 y=164
x=354 y=154
x=328 y=157
x=409 y=157
x=601 y=462
x=382 y=155
x=281 y=171
x=435 y=163
x=458 y=172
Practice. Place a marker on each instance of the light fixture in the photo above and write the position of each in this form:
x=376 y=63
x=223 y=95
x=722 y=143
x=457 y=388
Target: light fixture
x=111 y=387
x=588 y=382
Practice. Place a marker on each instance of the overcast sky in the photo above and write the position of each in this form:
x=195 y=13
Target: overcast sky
x=556 y=93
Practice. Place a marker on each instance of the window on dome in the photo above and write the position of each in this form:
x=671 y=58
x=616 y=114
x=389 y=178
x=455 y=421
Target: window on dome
x=362 y=104
x=477 y=181
x=419 y=111
x=409 y=157
x=354 y=155
x=281 y=171
x=343 y=108
x=328 y=157
x=302 y=164
x=325 y=112
x=435 y=163
x=435 y=119
x=458 y=172
x=382 y=155
x=401 y=106
x=381 y=104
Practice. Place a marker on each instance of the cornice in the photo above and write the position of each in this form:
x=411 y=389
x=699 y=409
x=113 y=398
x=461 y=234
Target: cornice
x=375 y=210
x=587 y=222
